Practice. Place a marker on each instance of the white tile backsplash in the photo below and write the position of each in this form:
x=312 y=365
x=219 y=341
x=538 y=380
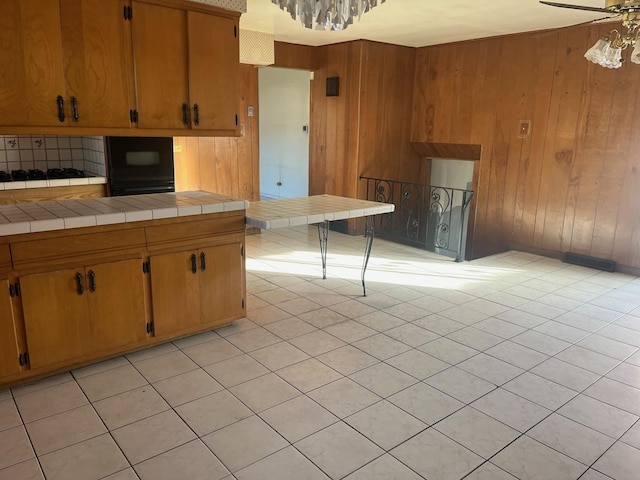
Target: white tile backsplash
x=51 y=151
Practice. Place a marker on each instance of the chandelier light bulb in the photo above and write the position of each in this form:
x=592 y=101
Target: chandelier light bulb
x=597 y=53
x=327 y=14
x=635 y=55
x=613 y=57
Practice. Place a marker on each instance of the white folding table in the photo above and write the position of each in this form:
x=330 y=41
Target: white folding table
x=319 y=210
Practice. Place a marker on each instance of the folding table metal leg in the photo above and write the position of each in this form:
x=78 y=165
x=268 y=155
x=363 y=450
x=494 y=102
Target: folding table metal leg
x=323 y=234
x=369 y=231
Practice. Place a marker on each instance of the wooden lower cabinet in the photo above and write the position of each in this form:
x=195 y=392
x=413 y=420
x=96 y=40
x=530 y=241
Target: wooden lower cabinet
x=221 y=282
x=72 y=313
x=108 y=290
x=9 y=351
x=197 y=287
x=116 y=304
x=56 y=316
x=175 y=292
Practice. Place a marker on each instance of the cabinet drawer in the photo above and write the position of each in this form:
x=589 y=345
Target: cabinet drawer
x=75 y=246
x=185 y=231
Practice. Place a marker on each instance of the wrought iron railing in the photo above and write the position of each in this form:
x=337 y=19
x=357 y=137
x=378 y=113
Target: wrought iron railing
x=426 y=216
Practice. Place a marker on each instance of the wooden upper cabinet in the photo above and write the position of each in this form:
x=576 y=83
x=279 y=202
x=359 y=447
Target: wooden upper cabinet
x=160 y=49
x=102 y=64
x=98 y=63
x=31 y=76
x=214 y=71
x=187 y=68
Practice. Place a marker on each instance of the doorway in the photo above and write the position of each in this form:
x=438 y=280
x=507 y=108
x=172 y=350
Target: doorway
x=284 y=132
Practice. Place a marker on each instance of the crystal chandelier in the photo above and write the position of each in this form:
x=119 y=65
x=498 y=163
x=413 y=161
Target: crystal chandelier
x=607 y=52
x=327 y=14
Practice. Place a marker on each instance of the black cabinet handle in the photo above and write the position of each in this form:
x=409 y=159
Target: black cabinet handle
x=203 y=261
x=185 y=114
x=79 y=287
x=92 y=280
x=196 y=114
x=194 y=266
x=21 y=360
x=60 y=102
x=74 y=108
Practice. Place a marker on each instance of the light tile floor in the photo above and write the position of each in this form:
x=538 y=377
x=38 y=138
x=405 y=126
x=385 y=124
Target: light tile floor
x=513 y=366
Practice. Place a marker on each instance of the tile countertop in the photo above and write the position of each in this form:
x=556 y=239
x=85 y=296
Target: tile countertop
x=54 y=182
x=63 y=214
x=291 y=212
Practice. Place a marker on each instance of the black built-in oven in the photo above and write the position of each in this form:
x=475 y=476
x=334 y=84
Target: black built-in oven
x=139 y=165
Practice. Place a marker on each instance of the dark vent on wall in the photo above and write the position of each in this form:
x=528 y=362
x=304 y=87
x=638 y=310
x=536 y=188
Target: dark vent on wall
x=591 y=262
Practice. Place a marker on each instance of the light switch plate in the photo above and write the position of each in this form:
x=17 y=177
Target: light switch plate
x=250 y=111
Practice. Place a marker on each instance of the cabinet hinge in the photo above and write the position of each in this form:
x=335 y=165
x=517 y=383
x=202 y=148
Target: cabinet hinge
x=243 y=304
x=146 y=267
x=242 y=250
x=235 y=32
x=150 y=327
x=23 y=359
x=14 y=290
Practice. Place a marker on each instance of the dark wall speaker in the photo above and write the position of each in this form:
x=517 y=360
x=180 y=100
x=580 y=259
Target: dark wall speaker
x=333 y=86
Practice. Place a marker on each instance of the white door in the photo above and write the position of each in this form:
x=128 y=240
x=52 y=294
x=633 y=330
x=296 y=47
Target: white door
x=284 y=132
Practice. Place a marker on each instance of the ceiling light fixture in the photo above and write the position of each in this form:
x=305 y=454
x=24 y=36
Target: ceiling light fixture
x=607 y=51
x=327 y=14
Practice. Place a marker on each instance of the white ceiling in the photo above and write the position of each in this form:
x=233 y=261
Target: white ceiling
x=418 y=23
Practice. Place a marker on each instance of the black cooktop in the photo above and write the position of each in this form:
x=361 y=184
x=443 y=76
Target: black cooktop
x=35 y=174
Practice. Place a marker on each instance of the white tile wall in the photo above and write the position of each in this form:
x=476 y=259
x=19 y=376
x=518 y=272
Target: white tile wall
x=51 y=151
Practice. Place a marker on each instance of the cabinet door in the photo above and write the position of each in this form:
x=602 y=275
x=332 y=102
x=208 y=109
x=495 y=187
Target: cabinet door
x=174 y=292
x=56 y=317
x=160 y=48
x=115 y=292
x=221 y=283
x=98 y=64
x=8 y=342
x=31 y=61
x=214 y=67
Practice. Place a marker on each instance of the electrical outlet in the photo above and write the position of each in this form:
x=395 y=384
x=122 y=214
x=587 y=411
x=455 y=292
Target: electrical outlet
x=525 y=128
x=250 y=111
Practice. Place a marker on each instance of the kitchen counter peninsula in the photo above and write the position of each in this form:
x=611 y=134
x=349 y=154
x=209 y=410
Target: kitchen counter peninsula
x=89 y=279
x=319 y=210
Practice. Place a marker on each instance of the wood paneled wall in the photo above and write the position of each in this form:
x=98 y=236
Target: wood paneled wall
x=225 y=165
x=572 y=184
x=366 y=129
x=290 y=55
x=333 y=139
